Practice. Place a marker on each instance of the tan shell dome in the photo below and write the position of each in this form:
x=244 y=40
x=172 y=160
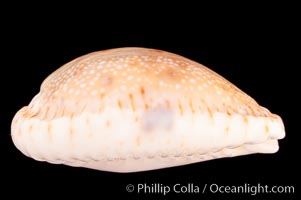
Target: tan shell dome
x=135 y=109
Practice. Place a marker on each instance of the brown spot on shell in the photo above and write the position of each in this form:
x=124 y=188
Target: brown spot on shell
x=49 y=129
x=229 y=113
x=180 y=107
x=210 y=112
x=132 y=102
x=71 y=132
x=138 y=140
x=142 y=92
x=30 y=128
x=246 y=120
x=191 y=106
x=119 y=104
x=227 y=130
x=267 y=129
x=108 y=123
x=167 y=103
x=146 y=106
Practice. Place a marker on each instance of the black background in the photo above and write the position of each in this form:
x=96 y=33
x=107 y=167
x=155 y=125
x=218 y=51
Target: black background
x=253 y=48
